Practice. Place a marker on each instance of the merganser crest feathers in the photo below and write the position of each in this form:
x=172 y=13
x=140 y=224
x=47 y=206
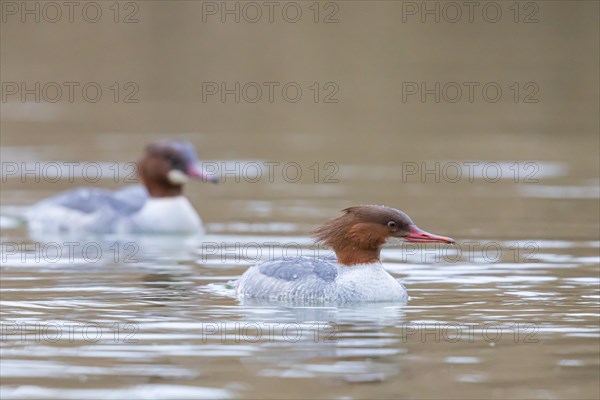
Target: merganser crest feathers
x=157 y=207
x=358 y=275
x=358 y=235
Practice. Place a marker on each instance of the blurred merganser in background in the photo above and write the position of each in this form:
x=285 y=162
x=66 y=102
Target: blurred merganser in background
x=158 y=206
x=357 y=274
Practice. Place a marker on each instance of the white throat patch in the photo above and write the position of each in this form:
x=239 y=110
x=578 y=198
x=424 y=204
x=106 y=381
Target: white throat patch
x=177 y=177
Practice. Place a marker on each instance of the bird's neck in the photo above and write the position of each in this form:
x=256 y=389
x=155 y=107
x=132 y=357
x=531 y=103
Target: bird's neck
x=350 y=255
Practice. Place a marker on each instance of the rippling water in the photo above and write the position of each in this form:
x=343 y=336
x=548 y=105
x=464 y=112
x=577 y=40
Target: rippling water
x=508 y=312
x=512 y=311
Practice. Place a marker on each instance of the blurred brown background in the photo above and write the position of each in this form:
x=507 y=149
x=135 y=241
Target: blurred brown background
x=550 y=49
x=372 y=49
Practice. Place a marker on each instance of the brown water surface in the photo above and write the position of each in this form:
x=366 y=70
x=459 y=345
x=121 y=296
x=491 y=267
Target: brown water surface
x=511 y=312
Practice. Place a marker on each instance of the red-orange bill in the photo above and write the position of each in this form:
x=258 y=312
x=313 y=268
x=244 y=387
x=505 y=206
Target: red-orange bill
x=419 y=236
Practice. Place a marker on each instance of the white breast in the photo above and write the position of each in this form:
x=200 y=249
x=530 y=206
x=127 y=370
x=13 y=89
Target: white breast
x=292 y=280
x=172 y=215
x=368 y=282
x=164 y=216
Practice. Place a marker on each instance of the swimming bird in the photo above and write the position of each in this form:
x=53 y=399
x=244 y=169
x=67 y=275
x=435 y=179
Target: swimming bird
x=158 y=206
x=354 y=275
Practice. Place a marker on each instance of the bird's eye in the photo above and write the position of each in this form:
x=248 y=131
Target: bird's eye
x=391 y=224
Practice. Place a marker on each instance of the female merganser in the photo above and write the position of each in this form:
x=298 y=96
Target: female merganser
x=156 y=207
x=357 y=274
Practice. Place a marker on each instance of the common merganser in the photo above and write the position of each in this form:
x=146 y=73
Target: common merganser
x=356 y=275
x=158 y=206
